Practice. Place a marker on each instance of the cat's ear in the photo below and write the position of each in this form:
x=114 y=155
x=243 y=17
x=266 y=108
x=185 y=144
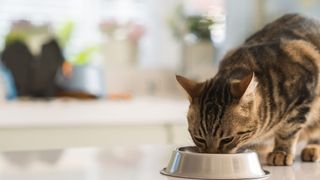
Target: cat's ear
x=191 y=87
x=243 y=87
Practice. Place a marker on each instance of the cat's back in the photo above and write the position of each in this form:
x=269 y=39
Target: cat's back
x=289 y=27
x=290 y=46
x=284 y=55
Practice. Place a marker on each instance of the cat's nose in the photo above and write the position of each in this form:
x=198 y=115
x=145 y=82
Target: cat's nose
x=211 y=150
x=212 y=147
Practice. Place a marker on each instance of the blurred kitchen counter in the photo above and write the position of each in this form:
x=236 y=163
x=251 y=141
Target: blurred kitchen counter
x=33 y=125
x=142 y=162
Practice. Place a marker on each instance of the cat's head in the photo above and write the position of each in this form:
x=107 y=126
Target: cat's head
x=221 y=117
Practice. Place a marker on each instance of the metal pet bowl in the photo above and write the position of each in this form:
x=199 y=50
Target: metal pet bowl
x=186 y=162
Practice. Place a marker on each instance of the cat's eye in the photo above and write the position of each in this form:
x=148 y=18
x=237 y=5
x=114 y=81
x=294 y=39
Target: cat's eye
x=244 y=132
x=227 y=140
x=200 y=140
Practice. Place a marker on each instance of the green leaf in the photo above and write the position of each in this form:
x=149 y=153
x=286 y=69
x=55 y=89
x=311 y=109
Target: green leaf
x=84 y=56
x=64 y=34
x=15 y=36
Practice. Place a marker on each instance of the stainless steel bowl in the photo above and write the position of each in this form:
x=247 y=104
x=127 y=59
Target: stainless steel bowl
x=186 y=162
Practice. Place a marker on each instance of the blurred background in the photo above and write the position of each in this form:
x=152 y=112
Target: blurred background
x=122 y=48
x=108 y=48
x=78 y=73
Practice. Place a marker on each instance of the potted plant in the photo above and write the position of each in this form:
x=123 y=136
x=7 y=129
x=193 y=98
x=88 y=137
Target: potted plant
x=79 y=77
x=121 y=41
x=192 y=31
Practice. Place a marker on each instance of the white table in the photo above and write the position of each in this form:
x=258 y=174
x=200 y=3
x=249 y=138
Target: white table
x=117 y=163
x=119 y=126
x=29 y=125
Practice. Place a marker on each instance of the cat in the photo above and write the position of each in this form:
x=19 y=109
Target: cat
x=267 y=88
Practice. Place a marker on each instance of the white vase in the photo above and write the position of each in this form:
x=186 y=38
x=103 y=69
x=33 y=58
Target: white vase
x=120 y=53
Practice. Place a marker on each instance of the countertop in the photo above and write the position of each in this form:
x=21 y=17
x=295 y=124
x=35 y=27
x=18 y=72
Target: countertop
x=65 y=123
x=117 y=163
x=70 y=113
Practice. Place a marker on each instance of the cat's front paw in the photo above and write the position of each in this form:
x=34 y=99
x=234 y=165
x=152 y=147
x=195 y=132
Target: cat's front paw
x=280 y=158
x=311 y=153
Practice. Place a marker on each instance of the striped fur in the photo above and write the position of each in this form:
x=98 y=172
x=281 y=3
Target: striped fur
x=228 y=112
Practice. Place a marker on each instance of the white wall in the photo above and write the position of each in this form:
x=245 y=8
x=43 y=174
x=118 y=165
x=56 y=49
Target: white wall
x=159 y=48
x=241 y=20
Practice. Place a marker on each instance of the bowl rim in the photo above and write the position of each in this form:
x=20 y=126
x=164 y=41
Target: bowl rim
x=179 y=149
x=265 y=176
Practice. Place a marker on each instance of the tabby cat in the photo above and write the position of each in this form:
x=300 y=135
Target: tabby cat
x=268 y=88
